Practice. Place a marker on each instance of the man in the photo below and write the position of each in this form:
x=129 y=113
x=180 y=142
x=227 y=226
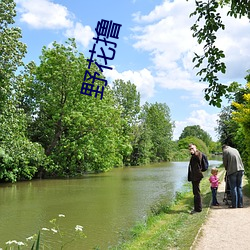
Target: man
x=195 y=175
x=235 y=170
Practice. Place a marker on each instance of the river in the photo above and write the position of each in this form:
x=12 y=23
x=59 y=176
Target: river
x=104 y=204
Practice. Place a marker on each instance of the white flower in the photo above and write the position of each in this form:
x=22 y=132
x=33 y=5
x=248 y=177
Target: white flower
x=10 y=242
x=45 y=229
x=78 y=228
x=54 y=230
x=61 y=215
x=29 y=238
x=20 y=243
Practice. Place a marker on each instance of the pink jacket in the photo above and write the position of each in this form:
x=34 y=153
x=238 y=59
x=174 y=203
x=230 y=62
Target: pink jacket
x=214 y=181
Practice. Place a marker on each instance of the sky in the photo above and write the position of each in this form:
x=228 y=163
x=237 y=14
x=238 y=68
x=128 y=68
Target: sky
x=154 y=50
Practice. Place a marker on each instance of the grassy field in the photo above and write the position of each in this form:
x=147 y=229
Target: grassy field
x=170 y=227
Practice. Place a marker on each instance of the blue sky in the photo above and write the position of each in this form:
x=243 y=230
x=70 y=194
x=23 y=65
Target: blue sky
x=154 y=49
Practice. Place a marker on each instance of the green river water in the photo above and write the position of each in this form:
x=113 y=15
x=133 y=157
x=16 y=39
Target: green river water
x=104 y=204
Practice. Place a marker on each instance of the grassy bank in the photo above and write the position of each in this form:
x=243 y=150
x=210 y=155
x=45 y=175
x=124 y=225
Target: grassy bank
x=170 y=227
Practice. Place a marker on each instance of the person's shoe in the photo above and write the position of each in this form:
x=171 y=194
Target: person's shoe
x=241 y=206
x=194 y=212
x=231 y=206
x=217 y=204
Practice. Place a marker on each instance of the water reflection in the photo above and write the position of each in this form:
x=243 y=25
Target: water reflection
x=105 y=204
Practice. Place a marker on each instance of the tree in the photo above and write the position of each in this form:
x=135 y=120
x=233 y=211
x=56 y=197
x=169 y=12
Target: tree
x=184 y=142
x=208 y=23
x=20 y=158
x=196 y=131
x=227 y=127
x=128 y=100
x=142 y=145
x=242 y=117
x=157 y=121
x=79 y=133
x=230 y=130
x=12 y=50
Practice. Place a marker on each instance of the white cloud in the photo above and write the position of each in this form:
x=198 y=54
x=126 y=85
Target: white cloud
x=208 y=122
x=165 y=33
x=82 y=34
x=143 y=80
x=43 y=14
x=170 y=42
x=234 y=41
x=160 y=11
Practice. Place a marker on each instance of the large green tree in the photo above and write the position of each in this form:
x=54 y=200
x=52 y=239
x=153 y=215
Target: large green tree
x=79 y=132
x=157 y=122
x=210 y=63
x=227 y=127
x=19 y=157
x=196 y=131
x=184 y=142
x=128 y=100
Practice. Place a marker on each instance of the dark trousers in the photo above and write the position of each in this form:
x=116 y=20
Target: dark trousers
x=214 y=196
x=235 y=181
x=197 y=196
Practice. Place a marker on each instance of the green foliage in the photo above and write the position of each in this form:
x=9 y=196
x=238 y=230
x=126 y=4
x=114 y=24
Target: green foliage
x=233 y=123
x=36 y=243
x=201 y=146
x=196 y=131
x=12 y=50
x=205 y=28
x=20 y=157
x=128 y=101
x=156 y=120
x=215 y=147
x=227 y=127
x=142 y=145
x=79 y=133
x=49 y=129
x=128 y=98
x=242 y=117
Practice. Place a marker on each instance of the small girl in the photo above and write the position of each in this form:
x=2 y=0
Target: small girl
x=214 y=185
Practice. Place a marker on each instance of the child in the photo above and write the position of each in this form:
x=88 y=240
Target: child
x=214 y=185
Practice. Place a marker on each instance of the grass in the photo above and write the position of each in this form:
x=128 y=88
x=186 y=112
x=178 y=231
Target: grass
x=170 y=226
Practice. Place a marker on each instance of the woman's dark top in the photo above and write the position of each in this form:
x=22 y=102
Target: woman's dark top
x=194 y=169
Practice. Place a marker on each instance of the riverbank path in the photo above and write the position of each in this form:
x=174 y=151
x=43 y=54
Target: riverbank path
x=225 y=228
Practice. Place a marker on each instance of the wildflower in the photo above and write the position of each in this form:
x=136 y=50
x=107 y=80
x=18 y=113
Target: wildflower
x=10 y=242
x=29 y=238
x=20 y=243
x=78 y=228
x=61 y=215
x=54 y=230
x=45 y=229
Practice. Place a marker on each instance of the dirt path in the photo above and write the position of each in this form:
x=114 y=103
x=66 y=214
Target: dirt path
x=225 y=228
